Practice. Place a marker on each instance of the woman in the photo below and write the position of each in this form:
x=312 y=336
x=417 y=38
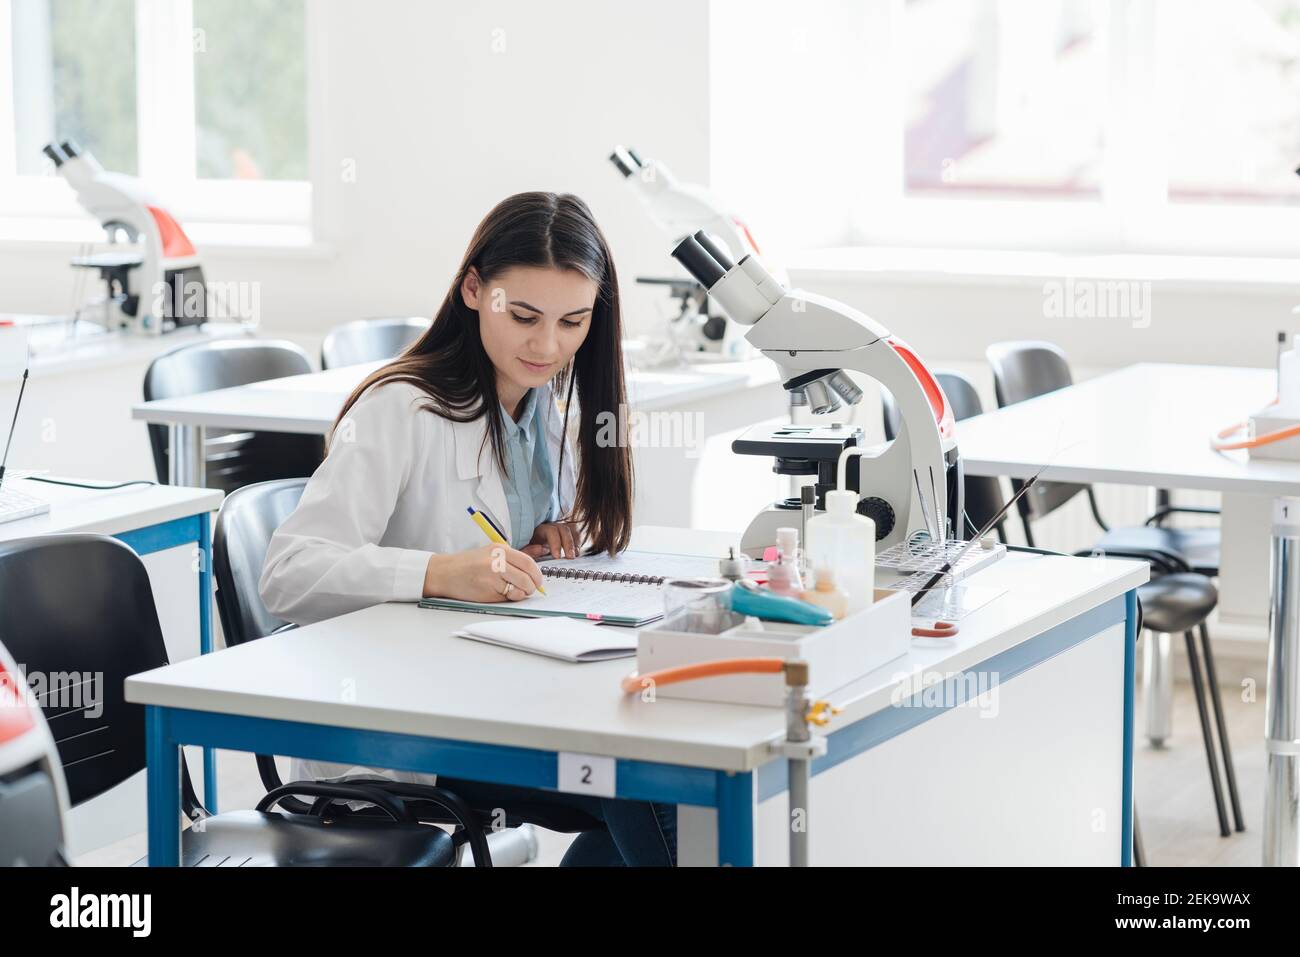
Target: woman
x=467 y=417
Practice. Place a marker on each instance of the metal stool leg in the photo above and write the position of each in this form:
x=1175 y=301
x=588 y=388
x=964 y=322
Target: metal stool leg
x=1212 y=679
x=1194 y=663
x=1158 y=688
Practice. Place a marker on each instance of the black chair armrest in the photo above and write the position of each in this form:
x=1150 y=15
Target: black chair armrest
x=1096 y=512
x=1164 y=511
x=452 y=804
x=337 y=791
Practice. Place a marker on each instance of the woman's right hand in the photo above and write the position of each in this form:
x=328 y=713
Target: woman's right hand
x=482 y=574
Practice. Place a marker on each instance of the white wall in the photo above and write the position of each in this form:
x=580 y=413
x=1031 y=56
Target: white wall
x=444 y=109
x=440 y=122
x=955 y=320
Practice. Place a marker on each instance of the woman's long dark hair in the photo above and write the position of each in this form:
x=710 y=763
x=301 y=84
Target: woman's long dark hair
x=451 y=366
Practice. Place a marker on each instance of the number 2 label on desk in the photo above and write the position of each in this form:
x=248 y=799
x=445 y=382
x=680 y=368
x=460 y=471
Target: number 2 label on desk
x=586 y=774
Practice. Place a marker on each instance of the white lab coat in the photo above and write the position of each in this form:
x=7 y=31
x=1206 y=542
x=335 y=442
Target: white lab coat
x=392 y=491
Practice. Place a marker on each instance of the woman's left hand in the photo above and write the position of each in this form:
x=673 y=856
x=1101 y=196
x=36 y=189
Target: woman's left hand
x=559 y=539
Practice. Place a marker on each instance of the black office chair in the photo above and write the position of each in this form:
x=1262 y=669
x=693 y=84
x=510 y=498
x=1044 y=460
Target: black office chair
x=1025 y=370
x=233 y=459
x=81 y=605
x=247 y=520
x=369 y=340
x=983 y=494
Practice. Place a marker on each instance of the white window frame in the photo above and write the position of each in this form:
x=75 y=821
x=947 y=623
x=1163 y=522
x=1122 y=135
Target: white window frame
x=165 y=117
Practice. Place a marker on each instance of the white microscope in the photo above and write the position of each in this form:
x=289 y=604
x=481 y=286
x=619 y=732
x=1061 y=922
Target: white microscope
x=155 y=283
x=911 y=487
x=680 y=210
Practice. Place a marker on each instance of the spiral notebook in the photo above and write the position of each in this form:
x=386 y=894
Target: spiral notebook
x=623 y=590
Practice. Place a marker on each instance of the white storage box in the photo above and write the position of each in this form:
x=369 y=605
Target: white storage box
x=836 y=654
x=1287 y=450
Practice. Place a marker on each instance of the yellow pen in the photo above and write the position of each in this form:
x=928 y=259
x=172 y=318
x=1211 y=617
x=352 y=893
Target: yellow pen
x=492 y=532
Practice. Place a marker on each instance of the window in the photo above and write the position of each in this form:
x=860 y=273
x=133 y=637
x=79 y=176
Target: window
x=1229 y=89
x=250 y=88
x=204 y=100
x=70 y=84
x=1090 y=126
x=1003 y=99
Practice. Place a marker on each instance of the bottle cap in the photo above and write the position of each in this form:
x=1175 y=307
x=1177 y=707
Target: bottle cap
x=733 y=566
x=787 y=539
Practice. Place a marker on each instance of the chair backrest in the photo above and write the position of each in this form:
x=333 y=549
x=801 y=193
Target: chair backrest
x=369 y=340
x=233 y=459
x=248 y=518
x=1025 y=370
x=960 y=392
x=78 y=613
x=962 y=398
x=983 y=493
x=889 y=414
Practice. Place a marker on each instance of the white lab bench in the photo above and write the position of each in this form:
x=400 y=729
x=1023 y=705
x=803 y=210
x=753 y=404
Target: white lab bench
x=169 y=528
x=75 y=417
x=1035 y=770
x=1150 y=425
x=683 y=423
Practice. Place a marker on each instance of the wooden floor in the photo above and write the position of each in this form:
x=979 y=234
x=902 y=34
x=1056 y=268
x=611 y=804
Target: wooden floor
x=1172 y=785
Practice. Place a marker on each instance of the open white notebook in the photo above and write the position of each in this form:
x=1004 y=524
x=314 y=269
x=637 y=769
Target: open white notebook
x=624 y=590
x=562 y=638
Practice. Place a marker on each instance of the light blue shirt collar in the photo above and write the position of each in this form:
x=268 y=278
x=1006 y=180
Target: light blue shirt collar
x=529 y=481
x=525 y=420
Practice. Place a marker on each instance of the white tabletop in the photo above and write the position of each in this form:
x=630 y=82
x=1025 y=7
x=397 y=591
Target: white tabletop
x=310 y=403
x=410 y=674
x=55 y=352
x=106 y=512
x=1147 y=424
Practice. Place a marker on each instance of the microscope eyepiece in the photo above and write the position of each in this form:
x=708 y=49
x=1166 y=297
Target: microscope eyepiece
x=54 y=153
x=715 y=249
x=699 y=262
x=70 y=149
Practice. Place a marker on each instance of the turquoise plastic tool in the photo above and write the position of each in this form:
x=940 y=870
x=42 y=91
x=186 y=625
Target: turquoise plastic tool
x=769 y=606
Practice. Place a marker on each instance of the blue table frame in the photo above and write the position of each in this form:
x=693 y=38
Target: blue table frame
x=164 y=535
x=733 y=794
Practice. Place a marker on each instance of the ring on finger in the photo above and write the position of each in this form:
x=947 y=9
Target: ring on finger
x=509 y=586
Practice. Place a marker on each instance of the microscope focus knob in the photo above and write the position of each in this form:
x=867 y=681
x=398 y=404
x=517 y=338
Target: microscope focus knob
x=880 y=512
